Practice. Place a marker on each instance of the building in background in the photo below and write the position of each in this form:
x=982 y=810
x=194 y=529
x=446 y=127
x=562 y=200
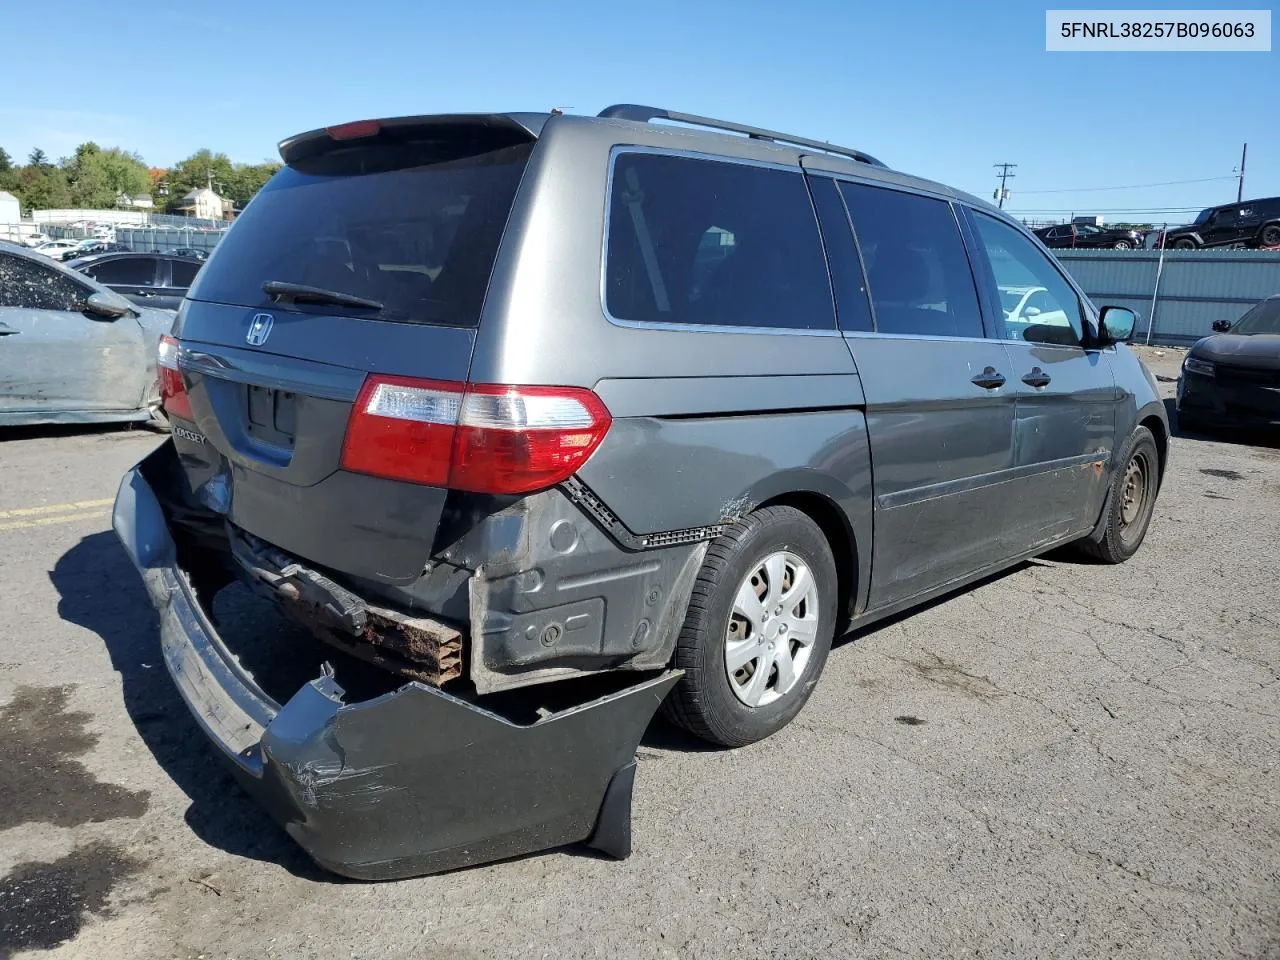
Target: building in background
x=10 y=209
x=142 y=201
x=202 y=202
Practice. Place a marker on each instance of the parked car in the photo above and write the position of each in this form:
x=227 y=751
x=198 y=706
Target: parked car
x=1232 y=377
x=35 y=239
x=56 y=248
x=1253 y=223
x=147 y=279
x=542 y=397
x=191 y=252
x=71 y=350
x=1086 y=235
x=91 y=246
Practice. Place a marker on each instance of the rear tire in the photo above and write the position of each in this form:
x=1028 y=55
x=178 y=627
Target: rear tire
x=775 y=556
x=1271 y=235
x=1130 y=501
x=1123 y=245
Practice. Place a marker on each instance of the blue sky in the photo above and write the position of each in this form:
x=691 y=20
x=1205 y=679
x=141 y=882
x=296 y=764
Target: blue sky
x=942 y=89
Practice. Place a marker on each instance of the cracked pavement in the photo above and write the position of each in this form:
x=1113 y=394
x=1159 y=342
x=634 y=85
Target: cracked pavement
x=1068 y=760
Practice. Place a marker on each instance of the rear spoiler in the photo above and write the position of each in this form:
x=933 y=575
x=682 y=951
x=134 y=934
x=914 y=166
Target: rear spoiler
x=504 y=129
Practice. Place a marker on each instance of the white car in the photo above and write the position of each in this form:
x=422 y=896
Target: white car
x=55 y=248
x=35 y=239
x=1031 y=305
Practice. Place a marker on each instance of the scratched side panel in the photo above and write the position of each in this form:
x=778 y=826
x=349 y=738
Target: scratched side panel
x=939 y=444
x=62 y=360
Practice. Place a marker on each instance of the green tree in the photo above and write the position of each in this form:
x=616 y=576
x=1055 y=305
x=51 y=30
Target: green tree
x=248 y=178
x=43 y=187
x=6 y=162
x=98 y=177
x=38 y=158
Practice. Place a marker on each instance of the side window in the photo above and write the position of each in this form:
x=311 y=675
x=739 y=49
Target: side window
x=1037 y=303
x=852 y=306
x=31 y=286
x=917 y=269
x=132 y=272
x=184 y=274
x=711 y=242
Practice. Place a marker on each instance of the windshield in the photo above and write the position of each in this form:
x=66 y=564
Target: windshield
x=1204 y=216
x=1264 y=317
x=414 y=227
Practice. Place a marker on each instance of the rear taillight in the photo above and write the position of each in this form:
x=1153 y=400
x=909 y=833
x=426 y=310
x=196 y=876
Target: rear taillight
x=478 y=437
x=173 y=392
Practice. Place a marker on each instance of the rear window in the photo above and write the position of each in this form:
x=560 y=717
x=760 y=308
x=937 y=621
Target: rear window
x=707 y=242
x=413 y=226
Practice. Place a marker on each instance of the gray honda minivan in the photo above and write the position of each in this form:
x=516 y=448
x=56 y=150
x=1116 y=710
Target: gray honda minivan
x=495 y=401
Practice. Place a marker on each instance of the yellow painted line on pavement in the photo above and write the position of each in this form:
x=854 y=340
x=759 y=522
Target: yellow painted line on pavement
x=53 y=508
x=96 y=514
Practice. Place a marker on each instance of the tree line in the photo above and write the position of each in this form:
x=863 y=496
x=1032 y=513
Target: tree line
x=104 y=178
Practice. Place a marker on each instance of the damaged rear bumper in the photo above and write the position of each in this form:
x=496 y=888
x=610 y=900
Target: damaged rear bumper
x=412 y=782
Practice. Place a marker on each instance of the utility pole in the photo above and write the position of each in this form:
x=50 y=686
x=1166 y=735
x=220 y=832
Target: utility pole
x=1001 y=194
x=1240 y=179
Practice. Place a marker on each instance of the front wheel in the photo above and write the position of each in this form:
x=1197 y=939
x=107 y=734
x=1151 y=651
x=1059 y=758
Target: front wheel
x=1131 y=501
x=1186 y=243
x=1123 y=245
x=758 y=630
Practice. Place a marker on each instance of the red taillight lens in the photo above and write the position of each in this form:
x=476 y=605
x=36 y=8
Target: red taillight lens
x=478 y=437
x=354 y=130
x=173 y=392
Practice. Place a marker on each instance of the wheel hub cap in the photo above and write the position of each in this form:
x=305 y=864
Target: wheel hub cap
x=771 y=630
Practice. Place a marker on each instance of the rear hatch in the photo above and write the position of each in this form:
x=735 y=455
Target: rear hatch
x=369 y=253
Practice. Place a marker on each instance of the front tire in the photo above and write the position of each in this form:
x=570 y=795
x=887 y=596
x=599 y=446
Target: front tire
x=1130 y=502
x=1123 y=245
x=1184 y=243
x=758 y=630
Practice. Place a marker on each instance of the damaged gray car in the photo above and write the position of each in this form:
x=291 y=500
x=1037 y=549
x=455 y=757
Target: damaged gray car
x=72 y=350
x=553 y=419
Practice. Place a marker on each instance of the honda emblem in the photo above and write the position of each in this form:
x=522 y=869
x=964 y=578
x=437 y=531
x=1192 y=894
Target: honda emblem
x=259 y=329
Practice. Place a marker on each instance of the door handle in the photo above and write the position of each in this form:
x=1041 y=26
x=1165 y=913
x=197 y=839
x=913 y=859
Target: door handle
x=989 y=379
x=1037 y=378
x=7 y=331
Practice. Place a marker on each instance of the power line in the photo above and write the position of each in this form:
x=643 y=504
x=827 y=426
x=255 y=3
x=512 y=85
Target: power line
x=1133 y=186
x=1109 y=210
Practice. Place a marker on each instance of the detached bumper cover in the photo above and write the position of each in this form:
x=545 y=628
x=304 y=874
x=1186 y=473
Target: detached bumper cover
x=413 y=782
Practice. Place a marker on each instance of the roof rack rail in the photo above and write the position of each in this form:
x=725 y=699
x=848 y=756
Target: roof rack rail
x=642 y=114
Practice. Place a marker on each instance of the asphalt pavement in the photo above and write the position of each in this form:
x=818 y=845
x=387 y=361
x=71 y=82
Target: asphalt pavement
x=1068 y=760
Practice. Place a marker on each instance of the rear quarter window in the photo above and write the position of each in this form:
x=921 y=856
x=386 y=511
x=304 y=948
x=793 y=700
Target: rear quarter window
x=414 y=226
x=709 y=242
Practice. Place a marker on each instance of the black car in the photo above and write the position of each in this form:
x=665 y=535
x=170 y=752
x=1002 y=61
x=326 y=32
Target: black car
x=189 y=252
x=1253 y=223
x=1087 y=235
x=148 y=279
x=92 y=249
x=1232 y=378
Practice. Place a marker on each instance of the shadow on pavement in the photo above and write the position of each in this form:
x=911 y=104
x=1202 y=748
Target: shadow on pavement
x=99 y=589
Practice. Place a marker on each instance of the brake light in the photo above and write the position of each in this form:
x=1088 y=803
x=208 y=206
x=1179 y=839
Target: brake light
x=484 y=438
x=354 y=130
x=173 y=392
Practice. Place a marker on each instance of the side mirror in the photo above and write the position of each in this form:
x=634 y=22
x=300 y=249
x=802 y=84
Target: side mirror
x=1221 y=326
x=1116 y=325
x=103 y=306
x=1031 y=312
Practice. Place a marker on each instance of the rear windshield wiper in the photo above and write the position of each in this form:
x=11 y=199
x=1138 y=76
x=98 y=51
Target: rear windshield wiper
x=301 y=293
